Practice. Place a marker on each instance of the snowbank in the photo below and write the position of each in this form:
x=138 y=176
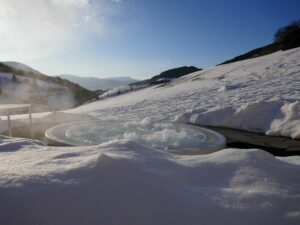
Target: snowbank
x=271 y=118
x=124 y=183
x=10 y=144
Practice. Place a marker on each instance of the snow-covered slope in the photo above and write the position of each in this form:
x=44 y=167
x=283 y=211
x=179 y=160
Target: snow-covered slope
x=121 y=182
x=259 y=95
x=122 y=90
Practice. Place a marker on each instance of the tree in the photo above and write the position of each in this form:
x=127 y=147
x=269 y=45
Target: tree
x=285 y=31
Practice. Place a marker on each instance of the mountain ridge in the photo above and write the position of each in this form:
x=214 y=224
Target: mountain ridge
x=170 y=74
x=20 y=66
x=95 y=83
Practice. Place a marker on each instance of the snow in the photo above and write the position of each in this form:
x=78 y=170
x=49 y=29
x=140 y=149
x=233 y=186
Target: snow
x=122 y=89
x=271 y=118
x=122 y=182
x=125 y=183
x=259 y=95
x=9 y=144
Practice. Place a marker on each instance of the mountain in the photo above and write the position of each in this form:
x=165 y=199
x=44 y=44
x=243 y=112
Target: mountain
x=20 y=66
x=175 y=73
x=125 y=79
x=20 y=83
x=94 y=83
x=162 y=78
x=170 y=74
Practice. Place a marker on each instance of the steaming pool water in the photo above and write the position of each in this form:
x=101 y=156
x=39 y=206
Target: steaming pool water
x=171 y=137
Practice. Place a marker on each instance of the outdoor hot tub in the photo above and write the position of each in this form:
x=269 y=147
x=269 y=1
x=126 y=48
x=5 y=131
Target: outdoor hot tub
x=172 y=137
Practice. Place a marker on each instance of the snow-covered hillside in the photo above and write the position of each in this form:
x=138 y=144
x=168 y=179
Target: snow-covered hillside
x=259 y=95
x=122 y=182
x=41 y=94
x=20 y=83
x=122 y=90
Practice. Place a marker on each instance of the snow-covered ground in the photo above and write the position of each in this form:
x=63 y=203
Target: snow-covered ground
x=259 y=95
x=122 y=89
x=122 y=182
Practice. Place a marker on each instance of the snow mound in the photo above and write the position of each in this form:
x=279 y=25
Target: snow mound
x=289 y=123
x=8 y=144
x=271 y=118
x=125 y=183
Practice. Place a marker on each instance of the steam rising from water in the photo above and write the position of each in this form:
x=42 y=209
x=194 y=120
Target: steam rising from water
x=24 y=91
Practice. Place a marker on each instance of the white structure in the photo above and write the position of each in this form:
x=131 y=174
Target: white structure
x=12 y=109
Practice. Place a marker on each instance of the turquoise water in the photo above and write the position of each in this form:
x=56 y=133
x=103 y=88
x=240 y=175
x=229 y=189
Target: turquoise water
x=157 y=135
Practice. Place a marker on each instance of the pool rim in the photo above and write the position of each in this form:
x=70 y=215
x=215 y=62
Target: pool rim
x=53 y=140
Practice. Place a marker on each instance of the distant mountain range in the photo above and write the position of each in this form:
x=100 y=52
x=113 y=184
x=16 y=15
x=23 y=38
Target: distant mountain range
x=94 y=83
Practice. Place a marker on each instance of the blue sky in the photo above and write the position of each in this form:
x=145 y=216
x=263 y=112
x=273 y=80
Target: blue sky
x=137 y=38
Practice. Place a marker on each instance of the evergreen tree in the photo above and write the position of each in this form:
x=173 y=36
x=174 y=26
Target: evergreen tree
x=283 y=32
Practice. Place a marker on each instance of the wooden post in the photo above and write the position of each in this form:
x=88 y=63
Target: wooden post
x=30 y=122
x=9 y=124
